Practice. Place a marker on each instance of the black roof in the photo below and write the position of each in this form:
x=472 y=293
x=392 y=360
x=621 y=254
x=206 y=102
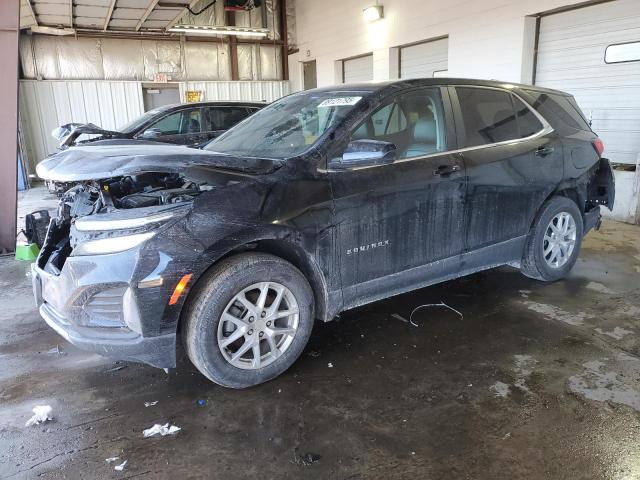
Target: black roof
x=440 y=81
x=221 y=103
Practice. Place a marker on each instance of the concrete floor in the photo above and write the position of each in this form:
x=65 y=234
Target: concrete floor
x=536 y=381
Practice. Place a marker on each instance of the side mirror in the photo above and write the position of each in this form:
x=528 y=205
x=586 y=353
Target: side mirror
x=151 y=133
x=365 y=153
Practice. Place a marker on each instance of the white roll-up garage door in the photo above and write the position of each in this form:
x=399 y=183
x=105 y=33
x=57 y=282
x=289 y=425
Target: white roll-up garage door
x=358 y=69
x=571 y=57
x=425 y=60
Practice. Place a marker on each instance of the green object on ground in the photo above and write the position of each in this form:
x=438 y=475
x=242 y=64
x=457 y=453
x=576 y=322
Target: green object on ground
x=27 y=252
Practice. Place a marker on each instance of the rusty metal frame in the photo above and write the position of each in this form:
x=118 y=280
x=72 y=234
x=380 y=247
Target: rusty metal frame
x=9 y=32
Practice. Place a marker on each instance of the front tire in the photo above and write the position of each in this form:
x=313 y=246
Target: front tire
x=554 y=241
x=248 y=320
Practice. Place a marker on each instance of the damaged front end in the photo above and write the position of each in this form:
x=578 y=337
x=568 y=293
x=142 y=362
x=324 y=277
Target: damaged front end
x=118 y=256
x=100 y=279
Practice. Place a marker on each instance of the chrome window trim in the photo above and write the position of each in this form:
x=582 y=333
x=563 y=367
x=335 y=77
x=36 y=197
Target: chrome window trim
x=546 y=129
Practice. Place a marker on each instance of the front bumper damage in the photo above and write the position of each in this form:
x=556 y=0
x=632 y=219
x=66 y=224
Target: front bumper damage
x=95 y=302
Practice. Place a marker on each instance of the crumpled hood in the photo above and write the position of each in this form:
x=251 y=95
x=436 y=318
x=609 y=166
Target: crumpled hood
x=97 y=162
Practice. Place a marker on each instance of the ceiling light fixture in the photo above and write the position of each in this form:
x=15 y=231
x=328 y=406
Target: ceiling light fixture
x=216 y=30
x=373 y=13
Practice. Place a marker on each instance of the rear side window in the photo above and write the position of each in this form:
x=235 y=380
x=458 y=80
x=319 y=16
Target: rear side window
x=492 y=116
x=528 y=123
x=562 y=112
x=223 y=118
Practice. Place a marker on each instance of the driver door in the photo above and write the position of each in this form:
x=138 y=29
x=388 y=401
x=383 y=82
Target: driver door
x=183 y=127
x=401 y=223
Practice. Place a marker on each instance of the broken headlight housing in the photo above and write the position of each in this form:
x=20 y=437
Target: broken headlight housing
x=119 y=231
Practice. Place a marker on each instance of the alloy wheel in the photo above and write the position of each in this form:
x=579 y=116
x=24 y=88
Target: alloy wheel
x=258 y=325
x=559 y=240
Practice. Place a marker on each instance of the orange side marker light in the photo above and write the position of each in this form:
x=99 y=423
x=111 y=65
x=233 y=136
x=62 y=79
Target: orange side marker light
x=177 y=292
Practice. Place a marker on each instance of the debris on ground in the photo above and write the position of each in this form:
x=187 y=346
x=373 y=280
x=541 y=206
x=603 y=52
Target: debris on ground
x=41 y=414
x=166 y=370
x=306 y=459
x=202 y=402
x=55 y=351
x=163 y=430
x=330 y=365
x=111 y=459
x=399 y=317
x=313 y=354
x=500 y=389
x=150 y=404
x=120 y=467
x=117 y=368
x=427 y=305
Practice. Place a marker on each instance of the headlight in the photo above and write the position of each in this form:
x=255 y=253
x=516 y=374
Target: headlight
x=89 y=224
x=111 y=245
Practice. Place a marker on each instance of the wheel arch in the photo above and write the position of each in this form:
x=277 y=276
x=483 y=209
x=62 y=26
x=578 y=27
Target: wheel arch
x=286 y=249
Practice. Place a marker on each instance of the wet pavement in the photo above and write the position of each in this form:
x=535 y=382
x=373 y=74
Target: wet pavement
x=535 y=381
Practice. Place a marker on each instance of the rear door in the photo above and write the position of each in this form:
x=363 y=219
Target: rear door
x=396 y=217
x=513 y=161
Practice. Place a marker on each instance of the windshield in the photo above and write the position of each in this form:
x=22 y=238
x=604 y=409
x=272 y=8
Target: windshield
x=287 y=127
x=136 y=123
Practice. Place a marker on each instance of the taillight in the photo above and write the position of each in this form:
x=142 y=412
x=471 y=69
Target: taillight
x=599 y=146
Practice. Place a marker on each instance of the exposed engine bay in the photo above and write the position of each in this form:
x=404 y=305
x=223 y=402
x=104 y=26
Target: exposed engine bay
x=145 y=190
x=109 y=196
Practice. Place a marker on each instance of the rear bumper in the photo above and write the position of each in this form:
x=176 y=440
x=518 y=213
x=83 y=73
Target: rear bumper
x=592 y=220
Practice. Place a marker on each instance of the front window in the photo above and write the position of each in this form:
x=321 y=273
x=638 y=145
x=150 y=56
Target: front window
x=137 y=122
x=287 y=127
x=413 y=121
x=179 y=123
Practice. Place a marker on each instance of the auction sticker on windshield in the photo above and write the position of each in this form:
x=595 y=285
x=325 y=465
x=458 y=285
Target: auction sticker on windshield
x=339 y=101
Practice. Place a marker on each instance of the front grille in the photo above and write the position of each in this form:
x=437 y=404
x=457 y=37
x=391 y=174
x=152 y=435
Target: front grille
x=105 y=308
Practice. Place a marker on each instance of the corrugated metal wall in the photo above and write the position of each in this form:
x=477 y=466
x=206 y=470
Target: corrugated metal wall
x=44 y=105
x=47 y=104
x=257 y=91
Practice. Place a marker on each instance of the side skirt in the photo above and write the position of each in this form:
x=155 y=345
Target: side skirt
x=503 y=253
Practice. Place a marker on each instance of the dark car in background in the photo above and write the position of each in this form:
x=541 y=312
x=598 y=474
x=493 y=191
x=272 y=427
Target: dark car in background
x=323 y=201
x=190 y=124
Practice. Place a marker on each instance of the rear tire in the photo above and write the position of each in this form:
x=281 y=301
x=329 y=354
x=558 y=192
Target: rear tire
x=248 y=320
x=554 y=241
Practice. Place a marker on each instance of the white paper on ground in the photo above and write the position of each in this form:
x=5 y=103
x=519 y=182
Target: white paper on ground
x=42 y=413
x=163 y=430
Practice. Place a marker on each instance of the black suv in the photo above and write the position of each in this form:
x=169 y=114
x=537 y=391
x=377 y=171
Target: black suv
x=323 y=201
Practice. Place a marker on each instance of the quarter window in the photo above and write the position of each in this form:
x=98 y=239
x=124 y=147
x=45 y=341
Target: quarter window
x=412 y=121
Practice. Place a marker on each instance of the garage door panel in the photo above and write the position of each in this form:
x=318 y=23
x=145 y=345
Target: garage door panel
x=358 y=69
x=423 y=59
x=571 y=49
x=592 y=31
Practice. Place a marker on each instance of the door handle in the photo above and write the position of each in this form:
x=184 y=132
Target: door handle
x=544 y=151
x=445 y=170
